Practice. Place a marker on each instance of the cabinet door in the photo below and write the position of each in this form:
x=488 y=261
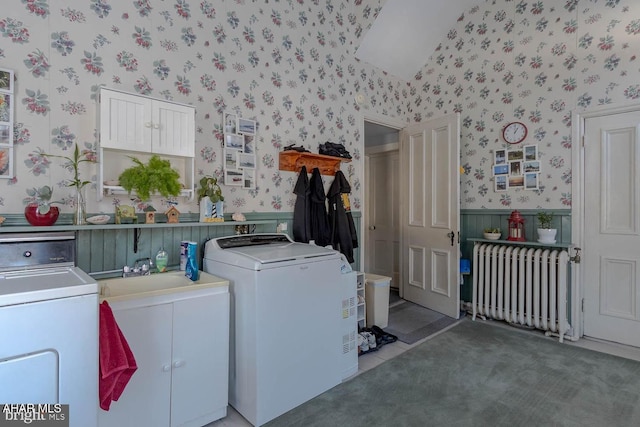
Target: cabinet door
x=146 y=399
x=125 y=121
x=173 y=129
x=200 y=381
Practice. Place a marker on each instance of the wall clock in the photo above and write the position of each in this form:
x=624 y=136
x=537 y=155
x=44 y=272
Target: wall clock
x=514 y=132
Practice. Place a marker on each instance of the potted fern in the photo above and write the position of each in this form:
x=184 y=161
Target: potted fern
x=155 y=176
x=546 y=234
x=210 y=199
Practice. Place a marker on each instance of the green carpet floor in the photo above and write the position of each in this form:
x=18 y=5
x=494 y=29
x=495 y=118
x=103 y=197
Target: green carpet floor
x=480 y=374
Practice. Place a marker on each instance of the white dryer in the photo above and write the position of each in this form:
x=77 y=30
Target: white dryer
x=286 y=339
x=48 y=325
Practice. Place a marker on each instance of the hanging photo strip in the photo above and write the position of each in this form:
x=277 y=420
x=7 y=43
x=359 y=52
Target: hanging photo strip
x=516 y=169
x=6 y=123
x=239 y=151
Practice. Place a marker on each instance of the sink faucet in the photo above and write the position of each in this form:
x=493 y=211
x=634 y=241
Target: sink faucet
x=141 y=267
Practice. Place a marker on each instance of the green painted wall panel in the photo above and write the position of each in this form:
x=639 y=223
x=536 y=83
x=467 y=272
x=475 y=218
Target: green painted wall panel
x=474 y=221
x=103 y=252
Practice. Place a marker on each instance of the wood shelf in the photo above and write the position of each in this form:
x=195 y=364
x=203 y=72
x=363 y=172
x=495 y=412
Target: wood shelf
x=294 y=160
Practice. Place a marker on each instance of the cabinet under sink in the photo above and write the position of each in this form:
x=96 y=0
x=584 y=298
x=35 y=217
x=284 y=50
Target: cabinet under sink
x=178 y=332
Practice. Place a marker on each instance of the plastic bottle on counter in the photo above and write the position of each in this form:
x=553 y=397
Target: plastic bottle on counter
x=183 y=254
x=191 y=269
x=161 y=260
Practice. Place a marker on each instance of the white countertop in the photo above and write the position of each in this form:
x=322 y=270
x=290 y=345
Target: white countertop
x=122 y=289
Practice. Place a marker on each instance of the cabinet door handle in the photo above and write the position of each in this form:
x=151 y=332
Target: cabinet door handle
x=148 y=124
x=166 y=368
x=156 y=126
x=178 y=363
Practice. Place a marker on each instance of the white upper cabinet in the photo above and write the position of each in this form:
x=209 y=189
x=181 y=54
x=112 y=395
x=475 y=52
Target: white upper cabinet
x=138 y=126
x=138 y=123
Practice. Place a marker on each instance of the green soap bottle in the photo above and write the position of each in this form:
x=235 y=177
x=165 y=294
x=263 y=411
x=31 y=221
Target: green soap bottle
x=161 y=260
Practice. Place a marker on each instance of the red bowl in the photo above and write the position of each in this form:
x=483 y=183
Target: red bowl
x=36 y=218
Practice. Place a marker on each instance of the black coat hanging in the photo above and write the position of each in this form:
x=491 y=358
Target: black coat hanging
x=343 y=230
x=301 y=211
x=318 y=207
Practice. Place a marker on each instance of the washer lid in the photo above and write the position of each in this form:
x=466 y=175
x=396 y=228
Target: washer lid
x=257 y=251
x=281 y=252
x=25 y=286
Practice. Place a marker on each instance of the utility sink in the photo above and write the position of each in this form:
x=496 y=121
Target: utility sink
x=124 y=288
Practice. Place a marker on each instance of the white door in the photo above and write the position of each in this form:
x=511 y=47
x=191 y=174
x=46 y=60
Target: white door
x=382 y=219
x=612 y=228
x=430 y=214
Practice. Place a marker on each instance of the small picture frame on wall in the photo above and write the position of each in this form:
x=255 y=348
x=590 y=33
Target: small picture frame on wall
x=530 y=152
x=6 y=80
x=501 y=183
x=514 y=155
x=233 y=177
x=5 y=134
x=230 y=123
x=531 y=166
x=502 y=169
x=249 y=146
x=515 y=168
x=6 y=162
x=6 y=107
x=500 y=157
x=246 y=126
x=249 y=179
x=531 y=181
x=516 y=181
x=233 y=141
x=231 y=158
x=246 y=161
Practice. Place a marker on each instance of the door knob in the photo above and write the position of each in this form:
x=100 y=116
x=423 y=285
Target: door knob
x=372 y=227
x=166 y=368
x=178 y=363
x=452 y=236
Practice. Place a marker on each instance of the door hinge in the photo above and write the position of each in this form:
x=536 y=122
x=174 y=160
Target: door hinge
x=582 y=307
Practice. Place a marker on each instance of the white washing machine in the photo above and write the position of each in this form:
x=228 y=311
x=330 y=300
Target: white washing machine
x=286 y=310
x=48 y=325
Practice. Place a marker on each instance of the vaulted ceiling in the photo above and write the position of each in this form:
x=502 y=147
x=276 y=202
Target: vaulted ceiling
x=401 y=40
x=406 y=33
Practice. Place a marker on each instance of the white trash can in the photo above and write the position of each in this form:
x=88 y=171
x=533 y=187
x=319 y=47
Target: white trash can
x=377 y=299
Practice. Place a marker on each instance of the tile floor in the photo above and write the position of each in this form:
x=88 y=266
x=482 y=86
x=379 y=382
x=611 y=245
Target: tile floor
x=389 y=351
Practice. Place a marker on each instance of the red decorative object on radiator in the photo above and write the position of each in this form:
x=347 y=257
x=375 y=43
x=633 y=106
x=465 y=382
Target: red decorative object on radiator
x=516 y=227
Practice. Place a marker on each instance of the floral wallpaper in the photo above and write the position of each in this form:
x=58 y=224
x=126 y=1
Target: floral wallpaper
x=535 y=62
x=290 y=66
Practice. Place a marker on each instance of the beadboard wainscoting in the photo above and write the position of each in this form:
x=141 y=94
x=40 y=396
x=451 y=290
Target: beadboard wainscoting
x=102 y=250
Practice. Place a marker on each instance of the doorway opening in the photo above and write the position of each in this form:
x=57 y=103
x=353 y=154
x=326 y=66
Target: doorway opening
x=381 y=234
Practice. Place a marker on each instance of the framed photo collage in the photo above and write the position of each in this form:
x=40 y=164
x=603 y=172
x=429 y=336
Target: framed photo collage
x=239 y=151
x=516 y=168
x=6 y=123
